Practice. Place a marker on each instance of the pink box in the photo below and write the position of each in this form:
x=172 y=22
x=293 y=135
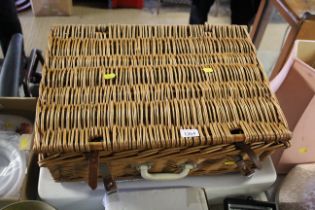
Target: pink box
x=296 y=94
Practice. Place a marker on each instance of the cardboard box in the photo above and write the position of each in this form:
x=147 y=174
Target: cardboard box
x=24 y=107
x=296 y=95
x=52 y=7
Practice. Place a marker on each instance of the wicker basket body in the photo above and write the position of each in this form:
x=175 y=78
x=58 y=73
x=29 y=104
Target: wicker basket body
x=121 y=96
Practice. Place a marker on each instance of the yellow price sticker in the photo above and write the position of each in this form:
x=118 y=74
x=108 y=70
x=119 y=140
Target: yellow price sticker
x=303 y=150
x=208 y=70
x=109 y=76
x=229 y=163
x=25 y=142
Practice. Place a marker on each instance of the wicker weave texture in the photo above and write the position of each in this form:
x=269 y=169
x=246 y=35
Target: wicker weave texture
x=128 y=87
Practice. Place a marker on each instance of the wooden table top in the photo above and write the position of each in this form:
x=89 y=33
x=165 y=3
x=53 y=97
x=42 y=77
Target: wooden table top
x=299 y=7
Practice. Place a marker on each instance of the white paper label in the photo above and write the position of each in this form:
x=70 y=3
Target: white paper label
x=189 y=133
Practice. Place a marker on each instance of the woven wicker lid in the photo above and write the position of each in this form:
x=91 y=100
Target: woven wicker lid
x=127 y=87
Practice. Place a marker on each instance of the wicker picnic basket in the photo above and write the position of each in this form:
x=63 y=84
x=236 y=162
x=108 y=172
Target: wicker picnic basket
x=120 y=101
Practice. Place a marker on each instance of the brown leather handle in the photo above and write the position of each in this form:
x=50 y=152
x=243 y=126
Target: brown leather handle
x=251 y=154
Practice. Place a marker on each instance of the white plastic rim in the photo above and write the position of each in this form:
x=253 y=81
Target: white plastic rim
x=11 y=178
x=144 y=170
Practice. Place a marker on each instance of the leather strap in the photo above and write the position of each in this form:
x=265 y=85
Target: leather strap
x=94 y=166
x=251 y=154
x=93 y=158
x=244 y=168
x=108 y=181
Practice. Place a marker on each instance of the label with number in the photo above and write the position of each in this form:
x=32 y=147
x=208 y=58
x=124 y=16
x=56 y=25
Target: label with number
x=189 y=133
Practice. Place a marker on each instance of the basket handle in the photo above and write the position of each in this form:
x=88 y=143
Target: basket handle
x=144 y=170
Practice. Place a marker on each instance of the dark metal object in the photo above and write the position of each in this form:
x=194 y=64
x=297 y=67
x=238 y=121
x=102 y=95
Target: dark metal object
x=19 y=70
x=32 y=78
x=12 y=67
x=247 y=204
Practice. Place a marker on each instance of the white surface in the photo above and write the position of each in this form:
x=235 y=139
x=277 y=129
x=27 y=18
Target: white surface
x=79 y=196
x=157 y=199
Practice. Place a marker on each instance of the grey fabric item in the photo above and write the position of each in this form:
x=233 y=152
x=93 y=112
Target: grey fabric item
x=297 y=191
